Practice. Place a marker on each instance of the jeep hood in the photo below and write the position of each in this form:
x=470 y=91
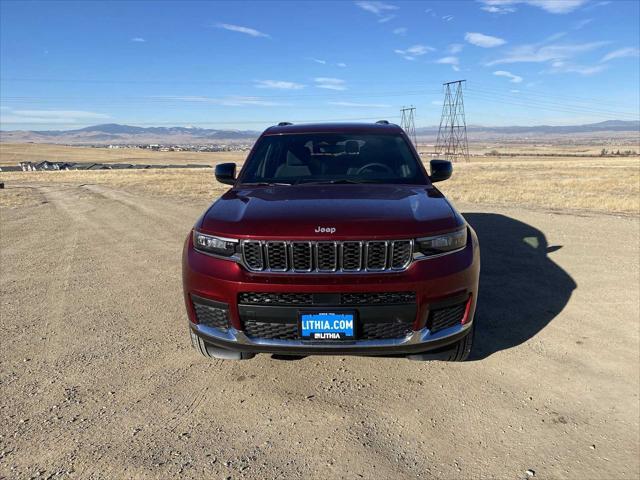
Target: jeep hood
x=355 y=211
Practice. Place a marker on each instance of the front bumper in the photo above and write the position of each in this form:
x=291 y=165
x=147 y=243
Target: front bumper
x=416 y=342
x=435 y=281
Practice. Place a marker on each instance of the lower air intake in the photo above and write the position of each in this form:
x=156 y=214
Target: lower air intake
x=211 y=314
x=446 y=317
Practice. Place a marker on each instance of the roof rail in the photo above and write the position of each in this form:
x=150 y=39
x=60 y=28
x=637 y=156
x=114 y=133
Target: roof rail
x=284 y=124
x=383 y=122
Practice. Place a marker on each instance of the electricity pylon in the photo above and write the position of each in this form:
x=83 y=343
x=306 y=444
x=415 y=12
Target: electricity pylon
x=452 y=141
x=407 y=123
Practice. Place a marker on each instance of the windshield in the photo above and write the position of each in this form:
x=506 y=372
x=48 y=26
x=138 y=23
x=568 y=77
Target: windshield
x=332 y=158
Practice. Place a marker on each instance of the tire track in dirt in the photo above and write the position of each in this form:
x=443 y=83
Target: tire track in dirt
x=106 y=232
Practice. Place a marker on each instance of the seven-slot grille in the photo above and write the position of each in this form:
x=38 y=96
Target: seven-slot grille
x=327 y=256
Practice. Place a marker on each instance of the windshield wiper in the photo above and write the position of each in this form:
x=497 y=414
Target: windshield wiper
x=265 y=184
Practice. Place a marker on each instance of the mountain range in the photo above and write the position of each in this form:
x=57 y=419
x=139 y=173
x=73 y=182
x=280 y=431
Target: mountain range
x=113 y=133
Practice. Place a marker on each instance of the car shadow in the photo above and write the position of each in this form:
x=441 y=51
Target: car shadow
x=521 y=288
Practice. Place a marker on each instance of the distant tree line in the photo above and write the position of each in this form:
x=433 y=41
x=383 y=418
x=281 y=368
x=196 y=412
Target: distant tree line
x=604 y=152
x=624 y=153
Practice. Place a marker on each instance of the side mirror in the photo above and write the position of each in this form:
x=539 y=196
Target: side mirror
x=226 y=173
x=440 y=170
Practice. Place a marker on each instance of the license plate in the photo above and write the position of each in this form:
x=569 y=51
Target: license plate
x=327 y=326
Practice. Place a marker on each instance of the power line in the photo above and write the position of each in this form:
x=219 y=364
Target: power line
x=205 y=98
x=531 y=95
x=543 y=101
x=235 y=122
x=226 y=101
x=527 y=92
x=541 y=105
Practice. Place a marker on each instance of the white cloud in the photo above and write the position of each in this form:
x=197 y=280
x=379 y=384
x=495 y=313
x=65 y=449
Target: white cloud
x=380 y=9
x=582 y=23
x=448 y=18
x=453 y=61
x=9 y=115
x=430 y=12
x=621 y=53
x=449 y=60
x=241 y=101
x=240 y=29
x=550 y=6
x=557 y=6
x=482 y=40
x=325 y=62
x=537 y=53
x=62 y=114
x=279 y=84
x=400 y=31
x=360 y=105
x=497 y=9
x=596 y=5
x=330 y=83
x=566 y=67
x=386 y=18
x=553 y=37
x=414 y=51
x=230 y=101
x=514 y=91
x=455 y=48
x=512 y=78
x=138 y=40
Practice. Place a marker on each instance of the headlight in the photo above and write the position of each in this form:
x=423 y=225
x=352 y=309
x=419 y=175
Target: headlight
x=216 y=245
x=439 y=244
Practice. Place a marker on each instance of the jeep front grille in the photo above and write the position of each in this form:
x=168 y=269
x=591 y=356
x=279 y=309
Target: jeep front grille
x=327 y=256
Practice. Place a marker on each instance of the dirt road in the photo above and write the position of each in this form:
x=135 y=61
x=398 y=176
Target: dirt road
x=98 y=379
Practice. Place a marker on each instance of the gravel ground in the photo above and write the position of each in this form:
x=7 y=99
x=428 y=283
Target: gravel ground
x=98 y=378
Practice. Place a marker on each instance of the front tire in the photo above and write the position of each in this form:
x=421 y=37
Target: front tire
x=209 y=351
x=458 y=352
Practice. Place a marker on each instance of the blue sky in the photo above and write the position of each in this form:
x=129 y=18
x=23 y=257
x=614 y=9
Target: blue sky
x=246 y=65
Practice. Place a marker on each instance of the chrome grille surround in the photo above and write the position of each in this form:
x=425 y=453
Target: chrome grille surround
x=327 y=256
x=301 y=256
x=253 y=255
x=277 y=256
x=351 y=254
x=376 y=255
x=401 y=253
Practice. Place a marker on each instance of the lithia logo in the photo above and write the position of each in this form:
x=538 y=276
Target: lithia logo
x=325 y=230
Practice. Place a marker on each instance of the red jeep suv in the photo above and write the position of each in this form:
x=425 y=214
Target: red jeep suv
x=332 y=240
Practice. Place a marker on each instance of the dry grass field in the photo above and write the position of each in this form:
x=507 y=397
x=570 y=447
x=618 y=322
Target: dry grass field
x=593 y=184
x=13 y=153
x=551 y=150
